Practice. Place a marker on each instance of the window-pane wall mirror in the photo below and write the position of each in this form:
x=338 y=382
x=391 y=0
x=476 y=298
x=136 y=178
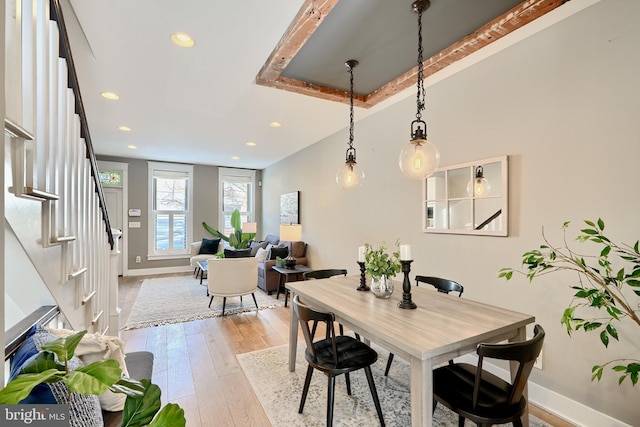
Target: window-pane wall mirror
x=467 y=198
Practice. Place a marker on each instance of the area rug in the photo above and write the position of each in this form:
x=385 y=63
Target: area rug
x=279 y=393
x=182 y=298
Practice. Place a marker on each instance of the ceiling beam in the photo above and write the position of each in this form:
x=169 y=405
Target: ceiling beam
x=313 y=12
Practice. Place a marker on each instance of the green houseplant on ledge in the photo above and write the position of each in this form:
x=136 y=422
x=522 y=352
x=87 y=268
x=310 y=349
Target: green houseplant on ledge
x=607 y=289
x=237 y=239
x=141 y=408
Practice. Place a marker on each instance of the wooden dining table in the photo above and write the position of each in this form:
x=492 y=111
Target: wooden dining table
x=440 y=328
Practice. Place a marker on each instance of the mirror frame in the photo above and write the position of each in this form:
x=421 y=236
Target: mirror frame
x=470 y=200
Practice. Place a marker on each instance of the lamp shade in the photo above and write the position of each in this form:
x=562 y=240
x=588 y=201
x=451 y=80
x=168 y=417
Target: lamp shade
x=479 y=186
x=419 y=159
x=250 y=227
x=350 y=176
x=290 y=232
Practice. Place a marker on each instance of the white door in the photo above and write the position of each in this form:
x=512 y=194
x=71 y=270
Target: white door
x=113 y=198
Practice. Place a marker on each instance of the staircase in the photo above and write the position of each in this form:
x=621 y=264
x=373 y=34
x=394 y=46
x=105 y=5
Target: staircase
x=54 y=203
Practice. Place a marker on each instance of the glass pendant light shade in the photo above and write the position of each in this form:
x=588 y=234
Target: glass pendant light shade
x=420 y=157
x=479 y=186
x=350 y=176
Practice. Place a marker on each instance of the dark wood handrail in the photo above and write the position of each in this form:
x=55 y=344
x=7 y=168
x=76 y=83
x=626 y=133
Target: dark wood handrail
x=488 y=220
x=16 y=334
x=72 y=81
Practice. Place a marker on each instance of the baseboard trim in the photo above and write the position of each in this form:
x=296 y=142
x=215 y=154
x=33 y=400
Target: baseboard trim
x=550 y=404
x=161 y=270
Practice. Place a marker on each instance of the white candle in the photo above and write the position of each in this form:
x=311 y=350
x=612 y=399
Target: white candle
x=361 y=253
x=405 y=252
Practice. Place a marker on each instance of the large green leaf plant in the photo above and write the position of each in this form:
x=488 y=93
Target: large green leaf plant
x=142 y=406
x=237 y=239
x=606 y=292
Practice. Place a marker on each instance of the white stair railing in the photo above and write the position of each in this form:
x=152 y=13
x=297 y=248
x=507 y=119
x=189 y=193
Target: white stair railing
x=52 y=162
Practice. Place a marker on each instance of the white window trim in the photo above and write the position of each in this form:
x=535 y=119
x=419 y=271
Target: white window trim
x=246 y=173
x=173 y=167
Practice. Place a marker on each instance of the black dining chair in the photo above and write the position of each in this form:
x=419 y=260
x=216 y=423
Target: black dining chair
x=482 y=397
x=441 y=285
x=325 y=274
x=334 y=355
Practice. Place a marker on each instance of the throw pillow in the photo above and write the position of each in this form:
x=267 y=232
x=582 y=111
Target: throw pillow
x=296 y=249
x=209 y=246
x=84 y=409
x=28 y=350
x=237 y=253
x=279 y=251
x=257 y=245
x=94 y=347
x=261 y=254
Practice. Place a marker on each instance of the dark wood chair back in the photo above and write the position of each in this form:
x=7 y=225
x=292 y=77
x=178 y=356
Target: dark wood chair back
x=442 y=285
x=324 y=274
x=334 y=355
x=481 y=396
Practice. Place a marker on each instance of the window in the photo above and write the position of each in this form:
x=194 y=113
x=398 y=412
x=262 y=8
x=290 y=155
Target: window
x=236 y=192
x=170 y=210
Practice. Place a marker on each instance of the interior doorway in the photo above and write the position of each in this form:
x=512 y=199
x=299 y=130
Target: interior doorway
x=113 y=176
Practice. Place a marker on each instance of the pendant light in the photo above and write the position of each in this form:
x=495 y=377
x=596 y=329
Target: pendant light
x=420 y=157
x=479 y=186
x=350 y=175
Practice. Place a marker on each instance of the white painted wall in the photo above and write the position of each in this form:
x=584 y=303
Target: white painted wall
x=563 y=104
x=24 y=289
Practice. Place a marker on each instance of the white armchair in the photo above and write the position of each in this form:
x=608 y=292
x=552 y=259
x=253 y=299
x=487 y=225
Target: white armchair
x=230 y=277
x=197 y=256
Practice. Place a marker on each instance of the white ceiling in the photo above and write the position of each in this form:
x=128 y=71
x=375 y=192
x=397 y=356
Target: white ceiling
x=198 y=105
x=201 y=105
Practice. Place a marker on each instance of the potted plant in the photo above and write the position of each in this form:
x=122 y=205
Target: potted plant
x=607 y=288
x=237 y=239
x=381 y=267
x=141 y=408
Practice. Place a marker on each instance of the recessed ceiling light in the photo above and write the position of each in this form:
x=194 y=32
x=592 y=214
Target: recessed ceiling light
x=109 y=95
x=251 y=144
x=124 y=128
x=275 y=124
x=132 y=147
x=235 y=158
x=183 y=39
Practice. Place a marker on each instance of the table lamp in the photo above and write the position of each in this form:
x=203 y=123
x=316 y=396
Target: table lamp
x=290 y=233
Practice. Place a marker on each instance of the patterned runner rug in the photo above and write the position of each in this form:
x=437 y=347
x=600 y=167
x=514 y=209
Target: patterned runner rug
x=279 y=393
x=182 y=298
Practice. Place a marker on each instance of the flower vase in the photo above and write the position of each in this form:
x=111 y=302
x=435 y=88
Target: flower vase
x=382 y=287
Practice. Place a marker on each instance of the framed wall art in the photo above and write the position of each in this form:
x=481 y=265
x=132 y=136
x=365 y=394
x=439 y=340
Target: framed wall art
x=289 y=208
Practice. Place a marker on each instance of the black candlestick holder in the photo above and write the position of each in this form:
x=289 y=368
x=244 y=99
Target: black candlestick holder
x=406 y=287
x=363 y=280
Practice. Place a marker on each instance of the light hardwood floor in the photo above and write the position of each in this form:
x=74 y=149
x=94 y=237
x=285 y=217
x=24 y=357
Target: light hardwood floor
x=195 y=364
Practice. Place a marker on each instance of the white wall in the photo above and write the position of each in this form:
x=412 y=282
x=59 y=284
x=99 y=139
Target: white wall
x=563 y=104
x=24 y=290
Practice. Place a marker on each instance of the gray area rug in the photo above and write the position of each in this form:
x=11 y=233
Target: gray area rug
x=279 y=393
x=179 y=299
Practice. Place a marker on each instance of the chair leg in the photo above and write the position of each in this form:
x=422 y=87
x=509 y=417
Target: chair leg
x=460 y=421
x=210 y=301
x=374 y=393
x=517 y=422
x=305 y=389
x=254 y=300
x=389 y=361
x=348 y=380
x=330 y=398
x=224 y=303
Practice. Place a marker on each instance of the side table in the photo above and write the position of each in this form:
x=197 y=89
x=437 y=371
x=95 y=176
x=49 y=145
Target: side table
x=286 y=272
